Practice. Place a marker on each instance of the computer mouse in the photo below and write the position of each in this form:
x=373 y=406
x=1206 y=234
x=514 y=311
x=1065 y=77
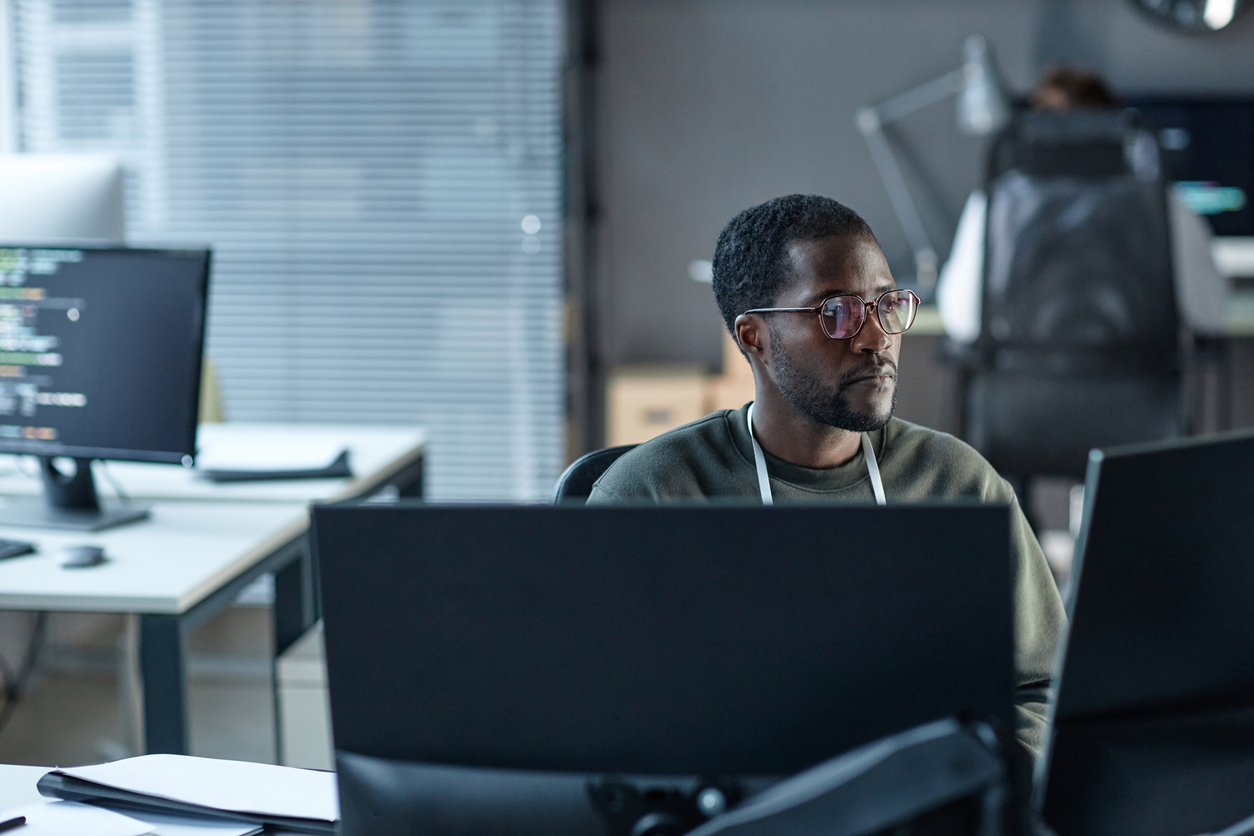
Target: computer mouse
x=82 y=557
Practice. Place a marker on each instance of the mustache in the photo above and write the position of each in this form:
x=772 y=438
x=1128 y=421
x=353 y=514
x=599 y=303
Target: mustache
x=885 y=368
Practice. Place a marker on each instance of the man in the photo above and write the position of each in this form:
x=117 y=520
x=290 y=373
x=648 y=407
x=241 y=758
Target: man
x=803 y=286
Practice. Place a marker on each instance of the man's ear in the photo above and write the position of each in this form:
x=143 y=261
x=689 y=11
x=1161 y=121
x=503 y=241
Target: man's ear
x=754 y=339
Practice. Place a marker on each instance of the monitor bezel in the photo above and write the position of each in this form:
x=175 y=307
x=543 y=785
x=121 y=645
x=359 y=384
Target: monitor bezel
x=185 y=456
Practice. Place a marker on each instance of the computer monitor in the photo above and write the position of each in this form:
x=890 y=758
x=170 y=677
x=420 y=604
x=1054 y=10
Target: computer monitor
x=58 y=198
x=1153 y=721
x=100 y=358
x=1207 y=147
x=489 y=667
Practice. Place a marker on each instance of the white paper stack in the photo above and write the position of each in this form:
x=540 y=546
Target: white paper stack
x=261 y=460
x=301 y=800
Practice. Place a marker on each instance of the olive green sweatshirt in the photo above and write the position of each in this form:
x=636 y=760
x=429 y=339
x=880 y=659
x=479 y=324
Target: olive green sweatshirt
x=713 y=457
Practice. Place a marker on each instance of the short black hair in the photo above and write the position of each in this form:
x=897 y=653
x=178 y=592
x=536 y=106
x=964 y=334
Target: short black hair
x=751 y=258
x=1072 y=88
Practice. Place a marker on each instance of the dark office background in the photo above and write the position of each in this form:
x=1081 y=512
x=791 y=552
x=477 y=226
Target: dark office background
x=701 y=108
x=709 y=106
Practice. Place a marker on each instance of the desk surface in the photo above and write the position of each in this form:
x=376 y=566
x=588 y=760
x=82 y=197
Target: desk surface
x=17 y=785
x=166 y=564
x=201 y=535
x=376 y=453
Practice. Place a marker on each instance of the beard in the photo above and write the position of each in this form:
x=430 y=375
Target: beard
x=832 y=408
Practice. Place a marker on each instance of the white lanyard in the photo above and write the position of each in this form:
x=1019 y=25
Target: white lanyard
x=764 y=481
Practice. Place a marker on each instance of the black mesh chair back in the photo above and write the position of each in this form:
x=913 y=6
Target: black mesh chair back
x=1078 y=265
x=575 y=484
x=940 y=779
x=1079 y=326
x=1086 y=143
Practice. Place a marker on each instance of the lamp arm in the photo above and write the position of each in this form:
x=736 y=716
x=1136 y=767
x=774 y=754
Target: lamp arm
x=928 y=93
x=899 y=197
x=871 y=121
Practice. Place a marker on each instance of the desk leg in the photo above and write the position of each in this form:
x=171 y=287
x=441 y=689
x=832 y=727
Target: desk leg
x=412 y=488
x=1226 y=385
x=293 y=614
x=293 y=611
x=163 y=674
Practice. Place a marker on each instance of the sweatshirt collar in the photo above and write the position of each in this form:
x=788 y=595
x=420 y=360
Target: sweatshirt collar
x=805 y=478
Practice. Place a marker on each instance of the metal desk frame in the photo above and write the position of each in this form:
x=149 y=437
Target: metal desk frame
x=163 y=637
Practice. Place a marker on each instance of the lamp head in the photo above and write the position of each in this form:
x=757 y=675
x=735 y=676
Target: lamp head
x=983 y=106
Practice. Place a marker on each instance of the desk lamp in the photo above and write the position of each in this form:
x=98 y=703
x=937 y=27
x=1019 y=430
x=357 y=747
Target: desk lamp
x=982 y=109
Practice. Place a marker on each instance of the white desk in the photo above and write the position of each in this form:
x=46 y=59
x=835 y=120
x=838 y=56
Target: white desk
x=168 y=564
x=17 y=785
x=202 y=546
x=378 y=456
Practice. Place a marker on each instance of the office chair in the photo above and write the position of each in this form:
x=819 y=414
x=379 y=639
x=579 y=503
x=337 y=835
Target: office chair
x=575 y=484
x=940 y=779
x=1079 y=344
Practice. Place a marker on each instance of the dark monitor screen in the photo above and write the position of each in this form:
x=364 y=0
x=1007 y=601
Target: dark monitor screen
x=1153 y=724
x=1207 y=147
x=656 y=641
x=100 y=351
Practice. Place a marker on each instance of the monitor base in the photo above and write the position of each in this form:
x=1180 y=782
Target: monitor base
x=35 y=512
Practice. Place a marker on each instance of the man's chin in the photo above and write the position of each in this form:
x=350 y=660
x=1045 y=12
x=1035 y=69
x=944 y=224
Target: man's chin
x=854 y=409
x=863 y=418
x=868 y=422
x=872 y=413
x=855 y=421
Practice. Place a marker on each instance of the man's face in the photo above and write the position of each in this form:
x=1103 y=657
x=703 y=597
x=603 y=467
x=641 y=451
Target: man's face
x=851 y=383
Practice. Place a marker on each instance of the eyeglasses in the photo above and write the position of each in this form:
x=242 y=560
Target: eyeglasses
x=842 y=317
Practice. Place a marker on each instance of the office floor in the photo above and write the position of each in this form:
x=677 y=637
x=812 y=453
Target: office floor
x=77 y=710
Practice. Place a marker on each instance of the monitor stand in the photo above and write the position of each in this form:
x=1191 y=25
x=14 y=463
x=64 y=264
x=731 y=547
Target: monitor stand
x=69 y=502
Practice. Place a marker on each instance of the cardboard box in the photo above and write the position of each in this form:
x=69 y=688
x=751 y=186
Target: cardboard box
x=646 y=401
x=734 y=387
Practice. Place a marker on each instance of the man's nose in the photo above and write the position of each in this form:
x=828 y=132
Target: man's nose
x=871 y=338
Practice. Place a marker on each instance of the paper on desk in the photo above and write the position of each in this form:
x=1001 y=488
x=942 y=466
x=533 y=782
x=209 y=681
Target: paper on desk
x=237 y=786
x=69 y=818
x=269 y=454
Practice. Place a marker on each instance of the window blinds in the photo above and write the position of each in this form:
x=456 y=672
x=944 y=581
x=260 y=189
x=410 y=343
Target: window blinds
x=381 y=183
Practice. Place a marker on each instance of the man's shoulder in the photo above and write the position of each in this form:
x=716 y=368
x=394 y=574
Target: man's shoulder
x=952 y=466
x=902 y=434
x=675 y=463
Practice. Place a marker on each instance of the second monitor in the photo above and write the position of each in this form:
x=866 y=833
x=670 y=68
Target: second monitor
x=1153 y=721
